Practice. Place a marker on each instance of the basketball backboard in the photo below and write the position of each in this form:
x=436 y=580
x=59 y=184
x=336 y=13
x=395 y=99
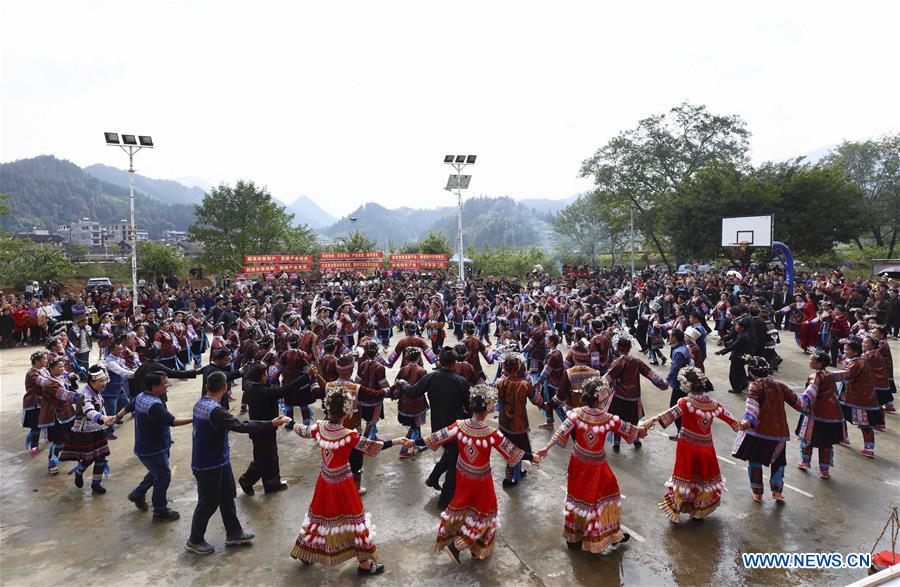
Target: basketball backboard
x=750 y=231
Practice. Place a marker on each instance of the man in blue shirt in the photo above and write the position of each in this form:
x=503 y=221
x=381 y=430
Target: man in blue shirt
x=211 y=464
x=152 y=441
x=681 y=357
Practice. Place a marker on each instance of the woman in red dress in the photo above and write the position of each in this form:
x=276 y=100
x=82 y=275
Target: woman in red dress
x=593 y=504
x=337 y=528
x=470 y=521
x=696 y=484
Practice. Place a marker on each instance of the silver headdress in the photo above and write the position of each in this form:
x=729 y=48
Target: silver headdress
x=349 y=399
x=486 y=392
x=686 y=384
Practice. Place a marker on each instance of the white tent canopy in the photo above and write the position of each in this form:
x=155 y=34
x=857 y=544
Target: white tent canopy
x=455 y=259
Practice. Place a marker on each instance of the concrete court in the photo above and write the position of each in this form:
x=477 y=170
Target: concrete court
x=52 y=533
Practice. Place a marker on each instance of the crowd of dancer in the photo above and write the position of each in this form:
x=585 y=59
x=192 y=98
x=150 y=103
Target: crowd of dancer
x=569 y=346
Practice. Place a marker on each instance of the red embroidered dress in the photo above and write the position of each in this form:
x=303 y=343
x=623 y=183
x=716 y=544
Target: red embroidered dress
x=593 y=505
x=470 y=521
x=336 y=528
x=696 y=484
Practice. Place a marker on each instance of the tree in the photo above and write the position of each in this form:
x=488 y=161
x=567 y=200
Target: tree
x=582 y=227
x=158 y=260
x=4 y=208
x=813 y=206
x=356 y=242
x=643 y=168
x=694 y=218
x=23 y=261
x=508 y=262
x=436 y=243
x=78 y=251
x=874 y=167
x=816 y=206
x=244 y=220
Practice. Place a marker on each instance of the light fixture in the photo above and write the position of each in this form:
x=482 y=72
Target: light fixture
x=460 y=158
x=129 y=140
x=447 y=158
x=470 y=159
x=112 y=138
x=145 y=141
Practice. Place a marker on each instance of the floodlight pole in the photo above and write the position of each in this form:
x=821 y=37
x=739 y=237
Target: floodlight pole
x=459 y=227
x=134 y=291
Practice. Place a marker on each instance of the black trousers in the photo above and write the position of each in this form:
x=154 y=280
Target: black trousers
x=676 y=395
x=641 y=333
x=447 y=464
x=265 y=460
x=215 y=491
x=356 y=463
x=737 y=376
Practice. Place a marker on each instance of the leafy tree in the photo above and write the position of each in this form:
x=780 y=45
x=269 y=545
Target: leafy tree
x=244 y=220
x=23 y=261
x=4 y=208
x=582 y=228
x=158 y=260
x=355 y=242
x=508 y=262
x=435 y=243
x=694 y=217
x=643 y=168
x=816 y=207
x=874 y=167
x=78 y=250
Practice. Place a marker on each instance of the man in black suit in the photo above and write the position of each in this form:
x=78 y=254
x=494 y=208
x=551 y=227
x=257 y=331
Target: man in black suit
x=218 y=361
x=138 y=384
x=448 y=395
x=779 y=300
x=742 y=345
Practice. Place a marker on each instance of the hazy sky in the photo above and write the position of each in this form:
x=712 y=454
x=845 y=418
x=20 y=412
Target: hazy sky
x=355 y=101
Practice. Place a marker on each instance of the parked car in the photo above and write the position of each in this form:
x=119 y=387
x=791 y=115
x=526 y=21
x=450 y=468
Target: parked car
x=102 y=284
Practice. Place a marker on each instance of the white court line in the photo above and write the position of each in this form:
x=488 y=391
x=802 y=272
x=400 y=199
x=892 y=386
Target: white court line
x=730 y=462
x=800 y=491
x=634 y=534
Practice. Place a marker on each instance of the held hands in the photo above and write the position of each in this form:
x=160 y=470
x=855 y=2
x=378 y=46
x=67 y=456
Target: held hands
x=281 y=421
x=543 y=452
x=536 y=459
x=108 y=420
x=408 y=443
x=745 y=425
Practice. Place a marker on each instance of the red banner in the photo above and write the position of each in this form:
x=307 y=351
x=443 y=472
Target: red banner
x=436 y=258
x=277 y=268
x=278 y=259
x=240 y=276
x=350 y=264
x=418 y=265
x=351 y=256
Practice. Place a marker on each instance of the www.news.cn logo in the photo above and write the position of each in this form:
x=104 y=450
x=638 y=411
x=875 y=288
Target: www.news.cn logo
x=806 y=560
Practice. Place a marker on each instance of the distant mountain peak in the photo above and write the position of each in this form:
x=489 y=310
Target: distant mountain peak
x=163 y=190
x=307 y=212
